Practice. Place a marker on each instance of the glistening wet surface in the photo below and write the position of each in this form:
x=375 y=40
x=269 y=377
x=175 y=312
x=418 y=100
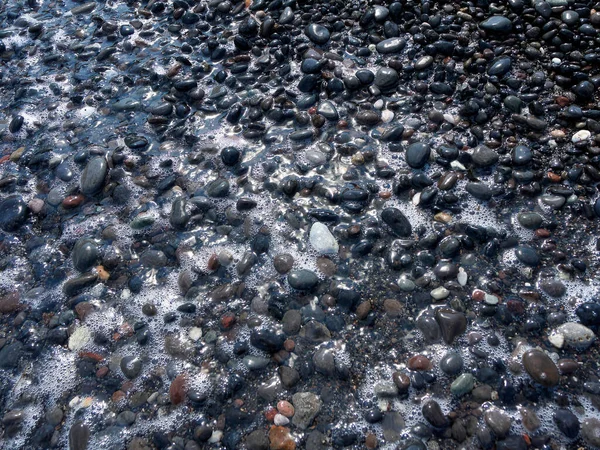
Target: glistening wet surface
x=299 y=225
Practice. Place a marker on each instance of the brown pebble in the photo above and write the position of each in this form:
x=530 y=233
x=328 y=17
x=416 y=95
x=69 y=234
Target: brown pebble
x=227 y=320
x=567 y=366
x=213 y=262
x=401 y=381
x=102 y=372
x=371 y=441
x=280 y=439
x=542 y=233
x=362 y=311
x=118 y=395
x=392 y=307
x=478 y=295
x=419 y=362
x=178 y=389
x=289 y=345
x=72 y=201
x=385 y=194
x=327 y=266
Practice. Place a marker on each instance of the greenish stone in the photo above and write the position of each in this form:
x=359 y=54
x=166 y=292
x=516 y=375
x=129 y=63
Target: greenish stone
x=463 y=384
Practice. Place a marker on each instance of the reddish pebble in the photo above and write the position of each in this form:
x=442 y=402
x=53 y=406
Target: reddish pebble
x=385 y=194
x=127 y=385
x=289 y=345
x=238 y=403
x=342 y=124
x=4 y=159
x=280 y=439
x=555 y=178
x=118 y=395
x=178 y=389
x=227 y=320
x=72 y=201
x=371 y=441
x=419 y=362
x=478 y=295
x=312 y=110
x=102 y=372
x=515 y=306
x=542 y=233
x=285 y=408
x=562 y=100
x=270 y=413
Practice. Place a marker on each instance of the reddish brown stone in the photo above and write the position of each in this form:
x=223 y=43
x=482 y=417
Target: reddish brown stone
x=102 y=372
x=478 y=295
x=83 y=309
x=285 y=408
x=567 y=366
x=280 y=439
x=419 y=362
x=371 y=441
x=178 y=389
x=72 y=201
x=213 y=262
x=392 y=307
x=362 y=311
x=562 y=100
x=270 y=413
x=289 y=345
x=227 y=320
x=542 y=233
x=117 y=396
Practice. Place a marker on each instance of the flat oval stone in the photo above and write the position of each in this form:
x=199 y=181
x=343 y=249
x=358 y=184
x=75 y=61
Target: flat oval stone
x=567 y=423
x=85 y=254
x=527 y=255
x=500 y=66
x=497 y=24
x=92 y=177
x=391 y=45
x=302 y=279
x=463 y=384
x=541 y=368
x=575 y=335
x=317 y=33
x=530 y=220
x=451 y=363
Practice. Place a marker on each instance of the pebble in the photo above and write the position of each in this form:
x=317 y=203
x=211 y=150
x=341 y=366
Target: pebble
x=306 y=405
x=322 y=240
x=541 y=368
x=572 y=335
x=302 y=279
x=463 y=384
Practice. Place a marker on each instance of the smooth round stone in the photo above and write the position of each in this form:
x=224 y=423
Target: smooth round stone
x=85 y=254
x=317 y=33
x=287 y=16
x=589 y=313
x=530 y=220
x=554 y=288
x=590 y=431
x=283 y=263
x=179 y=213
x=92 y=177
x=126 y=30
x=567 y=423
x=484 y=156
x=585 y=90
x=527 y=255
x=397 y=221
x=522 y=155
x=302 y=279
x=136 y=142
x=513 y=103
x=322 y=240
x=498 y=421
x=445 y=270
x=386 y=79
x=230 y=156
x=432 y=412
x=406 y=285
x=452 y=323
x=541 y=368
x=439 y=293
x=131 y=366
x=417 y=155
x=497 y=24
x=255 y=362
x=14 y=213
x=391 y=45
x=463 y=384
x=311 y=66
x=574 y=335
x=451 y=363
x=500 y=66
x=570 y=17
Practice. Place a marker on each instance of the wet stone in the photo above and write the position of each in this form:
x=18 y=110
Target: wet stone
x=567 y=422
x=451 y=363
x=397 y=221
x=541 y=368
x=302 y=279
x=432 y=412
x=14 y=213
x=131 y=366
x=452 y=323
x=417 y=155
x=497 y=24
x=498 y=421
x=317 y=33
x=307 y=405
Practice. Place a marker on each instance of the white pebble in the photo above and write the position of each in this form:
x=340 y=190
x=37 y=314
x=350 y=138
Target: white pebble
x=490 y=299
x=195 y=333
x=378 y=104
x=387 y=116
x=580 y=136
x=440 y=293
x=322 y=240
x=281 y=420
x=462 y=277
